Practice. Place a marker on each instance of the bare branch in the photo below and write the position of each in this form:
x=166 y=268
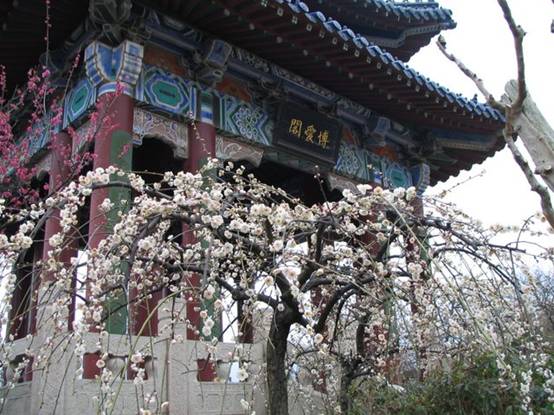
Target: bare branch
x=518 y=34
x=513 y=111
x=441 y=43
x=536 y=186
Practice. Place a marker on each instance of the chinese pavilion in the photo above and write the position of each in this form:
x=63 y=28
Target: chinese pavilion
x=287 y=87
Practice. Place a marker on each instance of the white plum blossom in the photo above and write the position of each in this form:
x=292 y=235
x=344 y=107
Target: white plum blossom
x=318 y=338
x=243 y=374
x=209 y=292
x=349 y=281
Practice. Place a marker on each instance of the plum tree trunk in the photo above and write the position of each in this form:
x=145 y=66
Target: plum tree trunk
x=345 y=385
x=277 y=392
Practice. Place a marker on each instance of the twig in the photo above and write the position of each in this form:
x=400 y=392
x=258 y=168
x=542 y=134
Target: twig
x=479 y=83
x=518 y=34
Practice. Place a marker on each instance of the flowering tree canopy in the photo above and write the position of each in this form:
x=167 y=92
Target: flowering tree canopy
x=367 y=284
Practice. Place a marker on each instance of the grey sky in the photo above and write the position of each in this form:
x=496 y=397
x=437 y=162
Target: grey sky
x=483 y=42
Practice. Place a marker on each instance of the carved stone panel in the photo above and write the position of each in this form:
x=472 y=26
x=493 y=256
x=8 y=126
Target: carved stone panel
x=336 y=182
x=173 y=133
x=227 y=149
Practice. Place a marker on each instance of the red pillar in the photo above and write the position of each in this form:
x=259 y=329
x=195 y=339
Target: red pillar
x=60 y=173
x=143 y=317
x=201 y=147
x=246 y=327
x=202 y=138
x=112 y=147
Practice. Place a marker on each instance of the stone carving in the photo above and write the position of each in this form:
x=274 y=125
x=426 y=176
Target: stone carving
x=227 y=149
x=340 y=183
x=173 y=133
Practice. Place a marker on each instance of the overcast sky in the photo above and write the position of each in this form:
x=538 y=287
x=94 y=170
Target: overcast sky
x=483 y=42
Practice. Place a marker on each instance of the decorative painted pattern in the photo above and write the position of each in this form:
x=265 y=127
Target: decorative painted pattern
x=257 y=63
x=365 y=166
x=38 y=141
x=421 y=177
x=107 y=66
x=179 y=96
x=302 y=82
x=241 y=119
x=78 y=101
x=251 y=60
x=353 y=162
x=39 y=136
x=395 y=175
x=474 y=142
x=168 y=92
x=173 y=133
x=206 y=104
x=232 y=116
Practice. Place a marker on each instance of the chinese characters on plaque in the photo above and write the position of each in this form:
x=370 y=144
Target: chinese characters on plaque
x=308 y=132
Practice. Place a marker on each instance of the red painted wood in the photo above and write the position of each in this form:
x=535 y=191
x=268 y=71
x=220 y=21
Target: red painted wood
x=206 y=370
x=144 y=315
x=116 y=112
x=119 y=110
x=90 y=369
x=59 y=174
x=201 y=147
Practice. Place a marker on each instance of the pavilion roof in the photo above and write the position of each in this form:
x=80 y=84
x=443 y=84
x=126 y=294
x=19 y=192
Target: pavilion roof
x=401 y=27
x=302 y=40
x=330 y=54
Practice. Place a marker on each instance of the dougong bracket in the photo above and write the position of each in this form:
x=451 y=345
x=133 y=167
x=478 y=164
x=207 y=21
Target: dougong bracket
x=110 y=16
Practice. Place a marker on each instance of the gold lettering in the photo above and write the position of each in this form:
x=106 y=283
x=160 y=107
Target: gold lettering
x=310 y=133
x=323 y=138
x=295 y=127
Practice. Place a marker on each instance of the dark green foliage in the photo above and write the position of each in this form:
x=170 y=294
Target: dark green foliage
x=465 y=389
